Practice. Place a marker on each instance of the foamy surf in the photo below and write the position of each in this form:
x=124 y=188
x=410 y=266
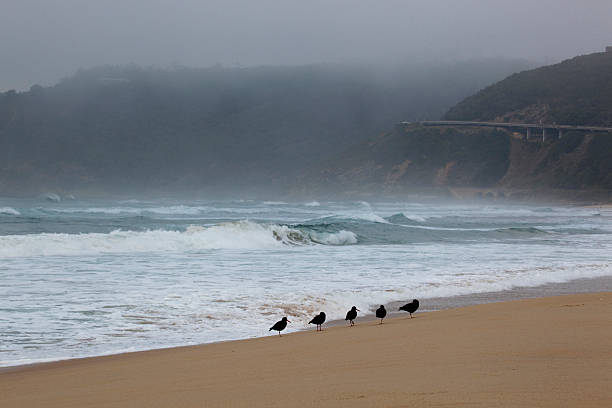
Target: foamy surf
x=231 y=235
x=167 y=210
x=9 y=211
x=101 y=277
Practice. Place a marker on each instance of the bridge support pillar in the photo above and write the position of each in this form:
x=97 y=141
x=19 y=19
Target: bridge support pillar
x=543 y=134
x=560 y=133
x=528 y=134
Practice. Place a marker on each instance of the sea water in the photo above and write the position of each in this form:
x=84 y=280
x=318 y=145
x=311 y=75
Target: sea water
x=93 y=277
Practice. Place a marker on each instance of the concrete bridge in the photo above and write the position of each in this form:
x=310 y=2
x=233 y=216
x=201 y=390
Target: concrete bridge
x=530 y=129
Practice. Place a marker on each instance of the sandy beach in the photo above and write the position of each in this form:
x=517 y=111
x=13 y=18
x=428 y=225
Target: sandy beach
x=553 y=351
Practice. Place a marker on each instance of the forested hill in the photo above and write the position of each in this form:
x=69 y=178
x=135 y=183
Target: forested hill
x=218 y=129
x=577 y=91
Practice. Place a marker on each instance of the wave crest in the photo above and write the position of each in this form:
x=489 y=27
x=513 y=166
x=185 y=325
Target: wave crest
x=9 y=211
x=231 y=235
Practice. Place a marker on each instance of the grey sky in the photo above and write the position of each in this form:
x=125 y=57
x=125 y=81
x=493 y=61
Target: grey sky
x=44 y=40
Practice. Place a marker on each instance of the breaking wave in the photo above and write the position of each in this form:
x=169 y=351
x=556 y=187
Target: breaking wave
x=231 y=235
x=368 y=217
x=169 y=210
x=132 y=279
x=404 y=218
x=9 y=211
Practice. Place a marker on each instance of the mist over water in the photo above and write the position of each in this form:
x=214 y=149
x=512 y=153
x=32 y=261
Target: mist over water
x=81 y=278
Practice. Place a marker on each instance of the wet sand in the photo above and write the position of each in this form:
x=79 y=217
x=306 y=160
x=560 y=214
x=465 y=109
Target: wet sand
x=545 y=352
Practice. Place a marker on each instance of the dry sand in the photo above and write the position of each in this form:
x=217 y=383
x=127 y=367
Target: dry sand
x=547 y=352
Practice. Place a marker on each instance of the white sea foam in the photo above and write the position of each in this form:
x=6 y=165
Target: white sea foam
x=313 y=204
x=134 y=289
x=52 y=197
x=9 y=211
x=274 y=203
x=94 y=210
x=178 y=210
x=169 y=210
x=414 y=217
x=231 y=235
x=339 y=238
x=371 y=217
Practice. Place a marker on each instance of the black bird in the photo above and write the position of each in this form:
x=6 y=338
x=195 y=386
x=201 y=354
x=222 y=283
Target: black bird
x=280 y=325
x=318 y=320
x=411 y=307
x=381 y=312
x=352 y=315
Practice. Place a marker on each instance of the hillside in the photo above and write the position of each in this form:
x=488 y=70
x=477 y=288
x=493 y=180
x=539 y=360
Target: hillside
x=577 y=91
x=415 y=158
x=488 y=161
x=131 y=129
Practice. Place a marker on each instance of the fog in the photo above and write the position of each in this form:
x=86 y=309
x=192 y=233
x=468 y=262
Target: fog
x=42 y=41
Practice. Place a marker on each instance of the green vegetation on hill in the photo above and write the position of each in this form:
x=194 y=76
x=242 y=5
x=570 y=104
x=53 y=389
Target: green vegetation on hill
x=577 y=91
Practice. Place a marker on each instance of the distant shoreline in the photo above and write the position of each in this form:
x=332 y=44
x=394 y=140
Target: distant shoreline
x=477 y=195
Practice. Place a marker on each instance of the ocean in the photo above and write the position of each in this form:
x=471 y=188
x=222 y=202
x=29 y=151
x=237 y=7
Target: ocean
x=93 y=277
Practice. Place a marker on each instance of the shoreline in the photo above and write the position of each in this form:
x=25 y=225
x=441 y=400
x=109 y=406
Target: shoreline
x=548 y=351
x=576 y=286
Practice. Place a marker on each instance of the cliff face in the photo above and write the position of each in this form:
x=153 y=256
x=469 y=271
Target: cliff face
x=417 y=159
x=574 y=162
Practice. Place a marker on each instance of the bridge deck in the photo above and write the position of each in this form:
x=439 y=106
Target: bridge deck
x=512 y=125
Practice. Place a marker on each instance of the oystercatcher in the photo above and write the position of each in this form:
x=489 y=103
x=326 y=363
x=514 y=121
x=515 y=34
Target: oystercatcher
x=280 y=325
x=411 y=307
x=318 y=320
x=352 y=315
x=381 y=312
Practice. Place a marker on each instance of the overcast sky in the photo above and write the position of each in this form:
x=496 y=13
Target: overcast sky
x=42 y=41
